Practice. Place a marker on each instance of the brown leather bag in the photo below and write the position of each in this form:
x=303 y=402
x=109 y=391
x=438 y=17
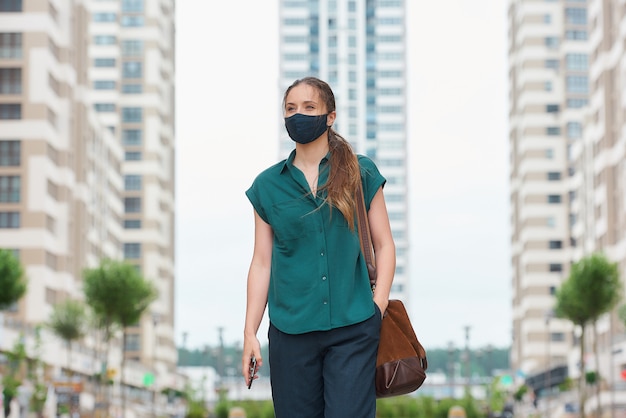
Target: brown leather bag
x=401 y=361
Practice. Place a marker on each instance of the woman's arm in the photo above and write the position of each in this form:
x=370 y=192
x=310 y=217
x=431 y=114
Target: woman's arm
x=384 y=249
x=258 y=285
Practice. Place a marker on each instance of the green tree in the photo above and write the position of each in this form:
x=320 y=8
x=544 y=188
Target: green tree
x=68 y=321
x=36 y=374
x=11 y=380
x=118 y=295
x=12 y=280
x=592 y=289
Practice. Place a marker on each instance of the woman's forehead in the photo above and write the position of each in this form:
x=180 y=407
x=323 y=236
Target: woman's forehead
x=303 y=92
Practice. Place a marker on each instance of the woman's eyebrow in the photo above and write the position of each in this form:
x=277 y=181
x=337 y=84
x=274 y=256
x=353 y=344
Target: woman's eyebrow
x=304 y=102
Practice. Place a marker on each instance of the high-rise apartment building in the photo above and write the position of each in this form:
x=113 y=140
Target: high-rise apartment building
x=600 y=221
x=359 y=48
x=567 y=80
x=87 y=158
x=131 y=80
x=548 y=95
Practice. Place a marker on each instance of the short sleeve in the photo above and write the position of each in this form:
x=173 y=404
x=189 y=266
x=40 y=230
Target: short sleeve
x=371 y=179
x=253 y=196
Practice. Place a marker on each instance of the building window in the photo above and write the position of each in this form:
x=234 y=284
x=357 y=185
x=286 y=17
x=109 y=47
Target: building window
x=104 y=85
x=104 y=40
x=390 y=74
x=132 y=182
x=10 y=81
x=104 y=17
x=552 y=108
x=10 y=153
x=572 y=220
x=574 y=130
x=132 y=156
x=576 y=35
x=572 y=195
x=295 y=57
x=132 y=342
x=555 y=245
x=132 y=69
x=576 y=16
x=551 y=42
x=132 y=205
x=104 y=62
x=132 y=137
x=132 y=21
x=395 y=198
x=104 y=107
x=577 y=62
x=554 y=176
x=132 y=89
x=556 y=267
x=547 y=86
x=132 y=224
x=10 y=45
x=132 y=5
x=9 y=220
x=553 y=131
x=132 y=48
x=298 y=39
x=577 y=84
x=551 y=63
x=10 y=5
x=10 y=111
x=577 y=103
x=132 y=250
x=554 y=198
x=392 y=21
x=10 y=189
x=132 y=114
x=389 y=39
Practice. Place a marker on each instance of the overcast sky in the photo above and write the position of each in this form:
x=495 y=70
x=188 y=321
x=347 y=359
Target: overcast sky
x=227 y=128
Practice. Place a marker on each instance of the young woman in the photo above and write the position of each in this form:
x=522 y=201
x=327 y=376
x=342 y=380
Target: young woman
x=307 y=267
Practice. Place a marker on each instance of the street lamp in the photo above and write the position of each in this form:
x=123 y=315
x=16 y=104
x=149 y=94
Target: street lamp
x=548 y=386
x=155 y=321
x=451 y=351
x=468 y=372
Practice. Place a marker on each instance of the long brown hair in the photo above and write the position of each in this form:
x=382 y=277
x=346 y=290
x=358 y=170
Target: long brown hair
x=344 y=174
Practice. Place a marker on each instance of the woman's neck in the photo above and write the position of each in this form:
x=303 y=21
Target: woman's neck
x=311 y=154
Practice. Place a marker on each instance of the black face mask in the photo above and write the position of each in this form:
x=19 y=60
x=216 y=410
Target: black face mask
x=304 y=128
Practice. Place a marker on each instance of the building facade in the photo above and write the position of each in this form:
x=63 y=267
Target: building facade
x=87 y=161
x=359 y=48
x=131 y=79
x=601 y=155
x=567 y=113
x=548 y=95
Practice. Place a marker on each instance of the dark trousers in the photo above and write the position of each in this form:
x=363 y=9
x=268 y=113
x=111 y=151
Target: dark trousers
x=325 y=374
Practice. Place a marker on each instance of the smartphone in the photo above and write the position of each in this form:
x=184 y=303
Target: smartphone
x=252 y=371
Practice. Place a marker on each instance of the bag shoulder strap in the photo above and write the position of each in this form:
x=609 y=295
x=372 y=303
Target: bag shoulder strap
x=365 y=236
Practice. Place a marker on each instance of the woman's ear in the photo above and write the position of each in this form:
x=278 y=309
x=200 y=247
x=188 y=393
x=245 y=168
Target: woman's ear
x=330 y=119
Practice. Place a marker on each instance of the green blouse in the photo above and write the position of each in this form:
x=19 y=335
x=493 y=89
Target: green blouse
x=318 y=278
